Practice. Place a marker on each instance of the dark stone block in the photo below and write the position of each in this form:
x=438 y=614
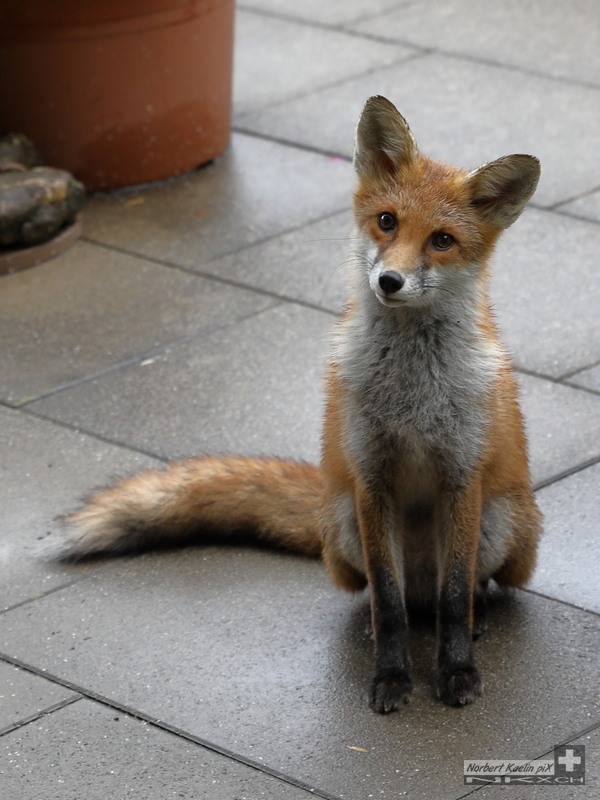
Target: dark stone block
x=36 y=203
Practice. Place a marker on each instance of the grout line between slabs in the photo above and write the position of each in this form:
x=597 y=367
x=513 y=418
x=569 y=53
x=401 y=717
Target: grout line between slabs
x=491 y=62
x=573 y=385
x=567 y=376
x=562 y=380
x=79 y=579
x=582 y=465
x=571 y=215
x=301 y=95
x=309 y=148
x=592 y=727
x=344 y=28
x=140 y=357
x=39 y=714
x=580 y=196
x=387 y=10
x=166 y=727
x=198 y=273
x=562 y=602
x=566 y=381
x=334 y=27
x=263 y=240
x=227 y=281
x=552 y=209
x=127 y=362
x=276 y=235
x=567 y=473
x=77 y=429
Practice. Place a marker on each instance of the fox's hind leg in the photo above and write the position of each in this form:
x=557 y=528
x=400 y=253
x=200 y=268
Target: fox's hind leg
x=520 y=559
x=510 y=528
x=342 y=551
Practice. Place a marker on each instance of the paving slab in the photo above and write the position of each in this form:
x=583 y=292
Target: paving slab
x=89 y=750
x=309 y=264
x=253 y=388
x=23 y=696
x=459 y=113
x=548 y=314
x=258 y=653
x=588 y=791
x=563 y=426
x=256 y=190
x=92 y=308
x=569 y=556
x=45 y=470
x=536 y=36
x=587 y=207
x=284 y=65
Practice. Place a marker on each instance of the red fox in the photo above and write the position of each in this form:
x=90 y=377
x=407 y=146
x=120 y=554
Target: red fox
x=424 y=491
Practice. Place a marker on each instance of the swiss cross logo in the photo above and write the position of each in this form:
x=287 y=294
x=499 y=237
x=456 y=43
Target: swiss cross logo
x=569 y=762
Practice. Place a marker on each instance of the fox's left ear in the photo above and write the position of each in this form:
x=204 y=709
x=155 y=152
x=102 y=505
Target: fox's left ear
x=499 y=190
x=384 y=143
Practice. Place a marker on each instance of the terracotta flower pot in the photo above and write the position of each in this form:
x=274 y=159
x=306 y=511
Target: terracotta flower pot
x=118 y=92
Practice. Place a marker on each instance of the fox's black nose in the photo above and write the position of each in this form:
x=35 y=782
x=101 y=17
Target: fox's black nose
x=391 y=281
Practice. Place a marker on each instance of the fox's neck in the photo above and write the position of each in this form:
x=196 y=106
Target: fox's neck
x=442 y=339
x=463 y=307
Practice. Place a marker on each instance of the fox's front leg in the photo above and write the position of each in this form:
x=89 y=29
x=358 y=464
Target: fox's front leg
x=391 y=685
x=459 y=682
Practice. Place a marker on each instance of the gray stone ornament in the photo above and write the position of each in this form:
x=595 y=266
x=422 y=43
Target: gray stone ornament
x=35 y=201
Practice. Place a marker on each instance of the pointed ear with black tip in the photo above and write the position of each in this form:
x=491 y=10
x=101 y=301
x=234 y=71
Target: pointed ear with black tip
x=499 y=190
x=384 y=143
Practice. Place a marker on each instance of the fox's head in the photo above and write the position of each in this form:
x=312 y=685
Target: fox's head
x=423 y=225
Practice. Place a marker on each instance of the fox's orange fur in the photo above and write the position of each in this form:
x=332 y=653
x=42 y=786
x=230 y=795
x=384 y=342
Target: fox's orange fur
x=424 y=490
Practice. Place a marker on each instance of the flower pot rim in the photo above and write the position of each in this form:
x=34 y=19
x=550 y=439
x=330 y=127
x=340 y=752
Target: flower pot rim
x=42 y=22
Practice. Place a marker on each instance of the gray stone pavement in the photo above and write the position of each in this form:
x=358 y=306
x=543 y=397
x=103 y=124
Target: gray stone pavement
x=194 y=317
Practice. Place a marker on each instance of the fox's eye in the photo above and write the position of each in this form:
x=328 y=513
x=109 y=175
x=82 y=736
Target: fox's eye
x=387 y=221
x=442 y=241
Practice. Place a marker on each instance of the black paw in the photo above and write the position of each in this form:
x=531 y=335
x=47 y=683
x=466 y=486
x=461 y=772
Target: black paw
x=459 y=686
x=479 y=628
x=389 y=691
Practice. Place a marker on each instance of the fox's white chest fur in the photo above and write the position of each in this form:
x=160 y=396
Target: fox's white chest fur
x=418 y=378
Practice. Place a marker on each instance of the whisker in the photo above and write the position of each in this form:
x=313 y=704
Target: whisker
x=439 y=288
x=334 y=239
x=344 y=263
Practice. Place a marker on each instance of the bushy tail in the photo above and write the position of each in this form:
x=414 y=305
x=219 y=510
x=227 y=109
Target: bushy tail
x=272 y=501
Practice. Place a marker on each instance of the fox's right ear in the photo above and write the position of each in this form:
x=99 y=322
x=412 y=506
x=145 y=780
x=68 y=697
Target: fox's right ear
x=384 y=143
x=499 y=190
